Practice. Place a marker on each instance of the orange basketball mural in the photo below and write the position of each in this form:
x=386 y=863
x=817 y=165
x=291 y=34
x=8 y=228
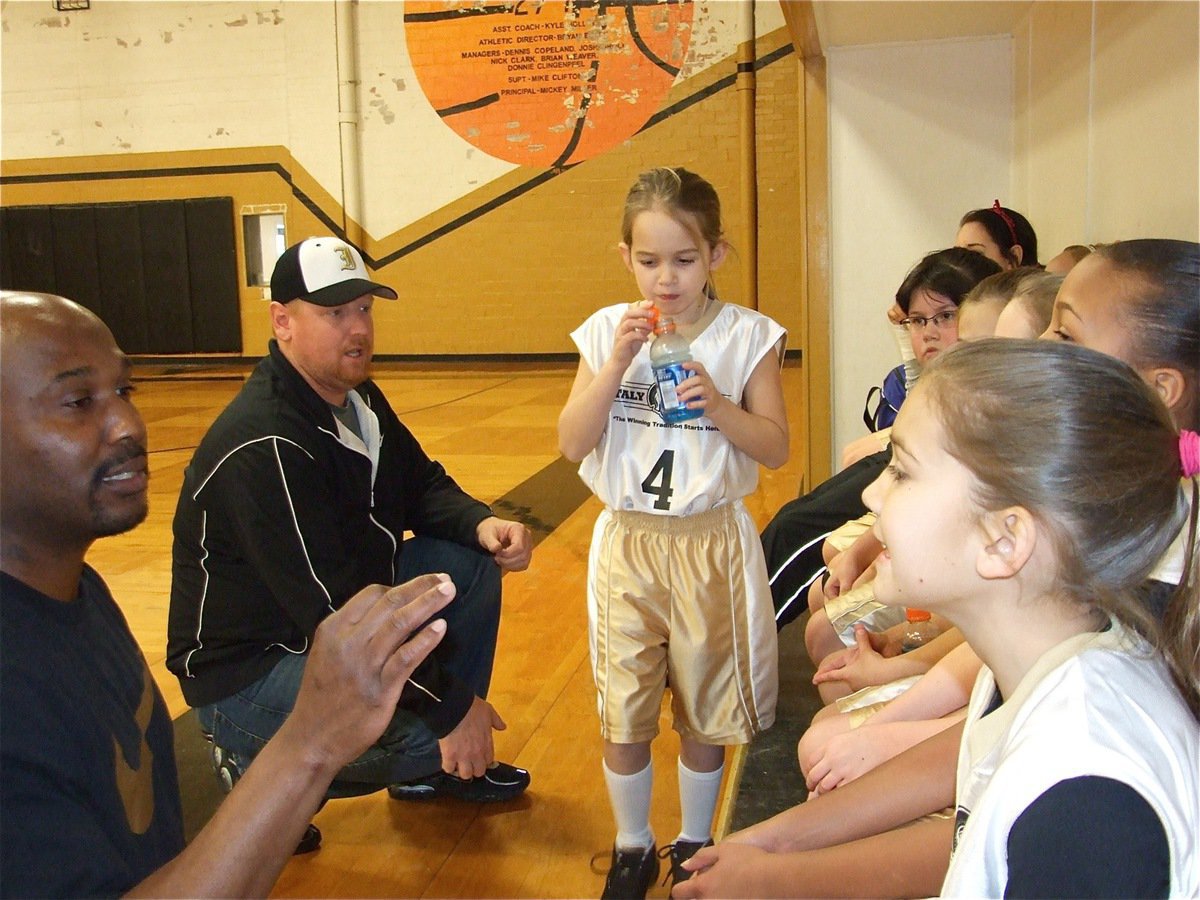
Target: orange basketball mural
x=546 y=83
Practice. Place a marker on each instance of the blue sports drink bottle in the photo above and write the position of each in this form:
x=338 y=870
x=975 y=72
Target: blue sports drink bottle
x=667 y=354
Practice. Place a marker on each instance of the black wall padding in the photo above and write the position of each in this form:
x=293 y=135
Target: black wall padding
x=162 y=274
x=164 y=252
x=122 y=281
x=5 y=255
x=76 y=265
x=213 y=272
x=29 y=237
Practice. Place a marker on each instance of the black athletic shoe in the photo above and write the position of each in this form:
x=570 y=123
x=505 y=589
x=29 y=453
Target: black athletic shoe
x=680 y=852
x=631 y=874
x=501 y=782
x=310 y=842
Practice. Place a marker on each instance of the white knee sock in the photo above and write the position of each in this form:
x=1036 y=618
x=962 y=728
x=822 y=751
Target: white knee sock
x=630 y=799
x=697 y=800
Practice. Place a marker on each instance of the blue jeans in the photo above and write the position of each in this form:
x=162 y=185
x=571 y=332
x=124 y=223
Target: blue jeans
x=243 y=723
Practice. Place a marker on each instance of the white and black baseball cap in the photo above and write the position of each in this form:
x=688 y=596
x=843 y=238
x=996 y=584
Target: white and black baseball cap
x=325 y=271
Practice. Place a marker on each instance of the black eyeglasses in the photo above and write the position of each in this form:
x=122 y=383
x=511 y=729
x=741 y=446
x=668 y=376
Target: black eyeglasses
x=939 y=321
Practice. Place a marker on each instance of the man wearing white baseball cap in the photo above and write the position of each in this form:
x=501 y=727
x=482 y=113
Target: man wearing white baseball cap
x=297 y=497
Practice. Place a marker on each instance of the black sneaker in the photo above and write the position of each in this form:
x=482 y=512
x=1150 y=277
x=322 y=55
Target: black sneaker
x=680 y=852
x=631 y=874
x=310 y=842
x=501 y=782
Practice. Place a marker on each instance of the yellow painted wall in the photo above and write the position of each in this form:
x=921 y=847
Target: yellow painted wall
x=1107 y=141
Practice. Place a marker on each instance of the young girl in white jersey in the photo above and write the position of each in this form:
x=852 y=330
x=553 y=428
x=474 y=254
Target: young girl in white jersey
x=1030 y=516
x=677 y=585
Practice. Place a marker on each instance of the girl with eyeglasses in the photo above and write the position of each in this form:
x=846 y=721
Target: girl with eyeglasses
x=793 y=538
x=1001 y=234
x=929 y=298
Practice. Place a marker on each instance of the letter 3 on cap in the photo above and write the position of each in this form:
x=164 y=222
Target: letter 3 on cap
x=325 y=271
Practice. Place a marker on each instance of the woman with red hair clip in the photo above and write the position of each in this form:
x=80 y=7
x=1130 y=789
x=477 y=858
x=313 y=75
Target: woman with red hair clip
x=1001 y=234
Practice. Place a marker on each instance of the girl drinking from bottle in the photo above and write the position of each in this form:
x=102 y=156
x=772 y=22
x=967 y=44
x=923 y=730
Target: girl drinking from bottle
x=677 y=585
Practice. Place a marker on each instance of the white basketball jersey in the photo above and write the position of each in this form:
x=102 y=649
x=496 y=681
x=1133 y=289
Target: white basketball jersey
x=644 y=463
x=1095 y=705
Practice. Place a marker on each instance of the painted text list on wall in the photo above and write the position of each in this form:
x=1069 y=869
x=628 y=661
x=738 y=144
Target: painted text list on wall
x=547 y=84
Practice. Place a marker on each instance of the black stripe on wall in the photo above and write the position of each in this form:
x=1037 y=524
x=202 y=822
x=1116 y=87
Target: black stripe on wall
x=334 y=227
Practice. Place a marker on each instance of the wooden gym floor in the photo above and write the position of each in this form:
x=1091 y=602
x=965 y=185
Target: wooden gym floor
x=493 y=427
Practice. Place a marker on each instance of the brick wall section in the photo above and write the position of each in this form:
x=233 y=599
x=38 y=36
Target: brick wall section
x=780 y=166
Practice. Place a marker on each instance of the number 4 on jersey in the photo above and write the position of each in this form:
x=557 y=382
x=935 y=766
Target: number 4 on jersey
x=662 y=487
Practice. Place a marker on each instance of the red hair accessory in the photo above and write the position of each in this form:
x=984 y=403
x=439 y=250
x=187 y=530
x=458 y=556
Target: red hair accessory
x=1189 y=453
x=1012 y=228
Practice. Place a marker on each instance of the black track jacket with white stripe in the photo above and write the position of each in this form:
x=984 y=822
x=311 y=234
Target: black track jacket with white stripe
x=281 y=521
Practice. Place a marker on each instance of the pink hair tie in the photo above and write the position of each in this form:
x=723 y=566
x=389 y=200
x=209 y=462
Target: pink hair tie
x=1189 y=453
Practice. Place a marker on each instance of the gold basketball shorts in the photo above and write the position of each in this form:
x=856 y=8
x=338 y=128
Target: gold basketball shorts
x=845 y=535
x=865 y=702
x=682 y=600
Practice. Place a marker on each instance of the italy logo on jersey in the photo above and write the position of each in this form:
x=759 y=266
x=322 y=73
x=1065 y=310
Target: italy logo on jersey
x=636 y=395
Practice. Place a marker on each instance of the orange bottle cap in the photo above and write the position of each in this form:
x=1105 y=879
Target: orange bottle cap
x=916 y=615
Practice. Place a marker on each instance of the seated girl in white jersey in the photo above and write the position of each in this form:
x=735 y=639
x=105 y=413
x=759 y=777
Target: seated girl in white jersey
x=1001 y=518
x=1135 y=300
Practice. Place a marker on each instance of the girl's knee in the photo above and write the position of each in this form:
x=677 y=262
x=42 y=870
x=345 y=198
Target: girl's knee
x=825 y=713
x=820 y=637
x=805 y=753
x=831 y=691
x=701 y=757
x=626 y=759
x=816 y=594
x=825 y=724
